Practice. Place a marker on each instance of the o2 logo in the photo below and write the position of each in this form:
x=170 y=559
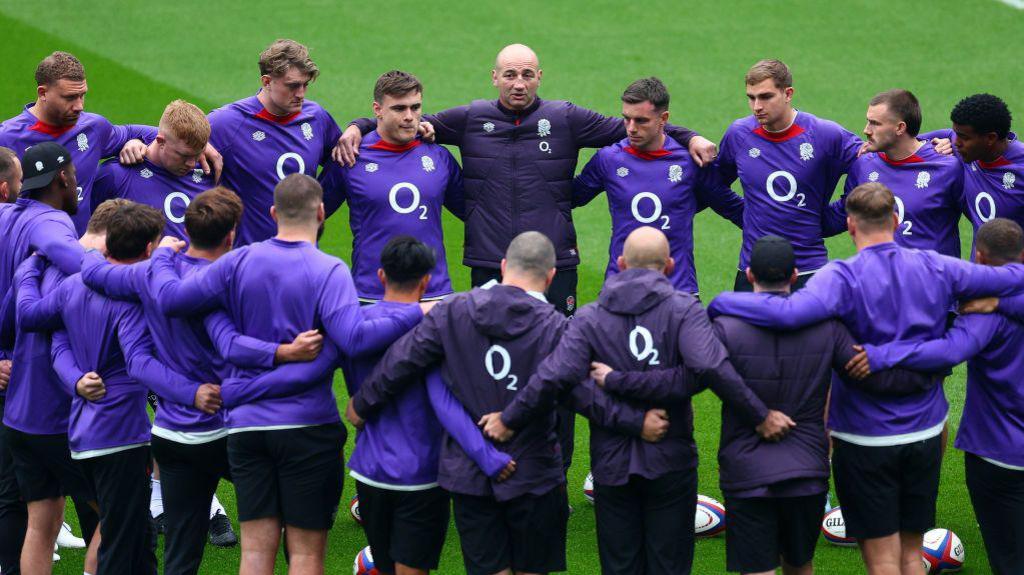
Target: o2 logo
x=985 y=197
x=283 y=160
x=169 y=203
x=655 y=213
x=641 y=345
x=413 y=206
x=791 y=188
x=499 y=364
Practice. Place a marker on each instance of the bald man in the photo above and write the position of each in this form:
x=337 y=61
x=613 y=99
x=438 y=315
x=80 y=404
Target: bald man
x=645 y=493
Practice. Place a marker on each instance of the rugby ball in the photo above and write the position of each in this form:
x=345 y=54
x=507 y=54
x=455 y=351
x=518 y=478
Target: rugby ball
x=833 y=527
x=709 y=520
x=364 y=564
x=353 y=510
x=588 y=488
x=942 y=552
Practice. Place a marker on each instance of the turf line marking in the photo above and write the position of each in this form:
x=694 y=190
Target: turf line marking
x=1018 y=4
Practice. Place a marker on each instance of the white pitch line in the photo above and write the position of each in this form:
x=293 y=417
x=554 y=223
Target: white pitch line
x=1018 y=4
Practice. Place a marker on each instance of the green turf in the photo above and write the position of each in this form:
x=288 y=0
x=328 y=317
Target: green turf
x=140 y=57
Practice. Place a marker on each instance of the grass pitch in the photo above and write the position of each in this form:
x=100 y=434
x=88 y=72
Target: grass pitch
x=141 y=56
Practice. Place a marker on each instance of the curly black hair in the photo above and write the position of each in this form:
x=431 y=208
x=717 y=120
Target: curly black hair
x=406 y=260
x=983 y=112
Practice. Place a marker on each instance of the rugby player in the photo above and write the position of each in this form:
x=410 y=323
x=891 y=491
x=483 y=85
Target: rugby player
x=788 y=163
x=887 y=451
x=399 y=185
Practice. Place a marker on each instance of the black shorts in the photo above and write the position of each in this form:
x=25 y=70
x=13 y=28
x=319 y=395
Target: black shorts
x=44 y=468
x=526 y=534
x=885 y=490
x=561 y=293
x=741 y=284
x=406 y=527
x=997 y=494
x=761 y=529
x=292 y=474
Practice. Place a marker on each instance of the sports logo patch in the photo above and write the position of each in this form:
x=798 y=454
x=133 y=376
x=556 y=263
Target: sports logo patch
x=570 y=303
x=428 y=163
x=622 y=172
x=922 y=179
x=754 y=152
x=873 y=177
x=1009 y=180
x=675 y=173
x=146 y=173
x=197 y=176
x=83 y=142
x=543 y=127
x=371 y=167
x=488 y=127
x=39 y=166
x=806 y=151
x=307 y=131
x=259 y=135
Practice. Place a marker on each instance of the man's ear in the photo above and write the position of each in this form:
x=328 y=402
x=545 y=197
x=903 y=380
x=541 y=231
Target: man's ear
x=273 y=213
x=621 y=263
x=382 y=277
x=794 y=277
x=670 y=265
x=750 y=276
x=265 y=80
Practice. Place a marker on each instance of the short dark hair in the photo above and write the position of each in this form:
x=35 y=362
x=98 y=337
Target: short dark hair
x=902 y=104
x=650 y=90
x=396 y=84
x=7 y=159
x=99 y=221
x=406 y=260
x=211 y=216
x=297 y=197
x=531 y=253
x=871 y=205
x=131 y=228
x=1001 y=240
x=983 y=112
x=59 y=66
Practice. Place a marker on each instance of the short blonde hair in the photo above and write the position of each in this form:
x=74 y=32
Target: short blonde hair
x=284 y=54
x=775 y=70
x=186 y=122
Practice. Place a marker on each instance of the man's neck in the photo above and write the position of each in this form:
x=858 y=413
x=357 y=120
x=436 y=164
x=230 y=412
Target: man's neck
x=523 y=282
x=862 y=241
x=153 y=154
x=388 y=139
x=783 y=123
x=202 y=254
x=903 y=148
x=269 y=104
x=654 y=145
x=297 y=233
x=126 y=262
x=997 y=150
x=401 y=296
x=39 y=111
x=758 y=288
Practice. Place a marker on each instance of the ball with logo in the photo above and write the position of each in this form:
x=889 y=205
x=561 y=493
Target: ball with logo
x=588 y=488
x=364 y=564
x=942 y=552
x=833 y=527
x=709 y=520
x=353 y=510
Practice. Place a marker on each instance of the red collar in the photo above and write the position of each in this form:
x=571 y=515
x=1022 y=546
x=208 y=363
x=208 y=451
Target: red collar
x=49 y=129
x=647 y=155
x=263 y=114
x=999 y=163
x=911 y=159
x=389 y=147
x=789 y=133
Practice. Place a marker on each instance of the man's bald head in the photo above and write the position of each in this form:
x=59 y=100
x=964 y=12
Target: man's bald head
x=646 y=248
x=531 y=254
x=516 y=75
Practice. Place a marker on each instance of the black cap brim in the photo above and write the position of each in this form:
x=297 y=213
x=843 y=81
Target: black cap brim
x=38 y=181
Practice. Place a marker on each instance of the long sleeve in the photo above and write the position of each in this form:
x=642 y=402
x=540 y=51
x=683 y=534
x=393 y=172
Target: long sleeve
x=454 y=193
x=968 y=336
x=238 y=349
x=970 y=281
x=566 y=366
x=945 y=133
x=449 y=125
x=199 y=293
x=143 y=365
x=335 y=185
x=890 y=382
x=590 y=183
x=457 y=422
x=406 y=359
x=605 y=410
x=64 y=364
x=657 y=386
x=36 y=312
x=119 y=136
x=1012 y=307
x=344 y=322
x=833 y=220
x=8 y=331
x=284 y=381
x=725 y=163
x=117 y=282
x=818 y=301
x=104 y=187
x=707 y=358
x=714 y=193
x=58 y=241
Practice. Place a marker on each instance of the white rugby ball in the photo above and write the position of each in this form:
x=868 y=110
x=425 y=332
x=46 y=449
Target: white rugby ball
x=833 y=527
x=353 y=509
x=588 y=488
x=709 y=520
x=942 y=552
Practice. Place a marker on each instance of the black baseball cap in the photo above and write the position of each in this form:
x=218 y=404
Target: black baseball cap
x=41 y=163
x=772 y=260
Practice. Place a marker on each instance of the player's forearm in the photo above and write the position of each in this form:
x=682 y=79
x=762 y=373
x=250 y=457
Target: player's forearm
x=64 y=364
x=285 y=381
x=734 y=393
x=164 y=381
x=601 y=408
x=658 y=386
x=113 y=281
x=238 y=349
x=457 y=422
x=356 y=336
x=61 y=248
x=176 y=296
x=767 y=310
x=35 y=312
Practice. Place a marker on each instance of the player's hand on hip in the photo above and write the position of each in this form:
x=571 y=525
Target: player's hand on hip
x=859 y=367
x=943 y=146
x=352 y=416
x=5 y=373
x=427 y=133
x=208 y=398
x=507 y=472
x=703 y=150
x=494 y=427
x=347 y=148
x=981 y=305
x=598 y=371
x=775 y=426
x=656 y=425
x=91 y=387
x=133 y=152
x=211 y=162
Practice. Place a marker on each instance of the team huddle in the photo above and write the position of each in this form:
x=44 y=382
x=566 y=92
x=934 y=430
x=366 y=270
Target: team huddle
x=179 y=265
